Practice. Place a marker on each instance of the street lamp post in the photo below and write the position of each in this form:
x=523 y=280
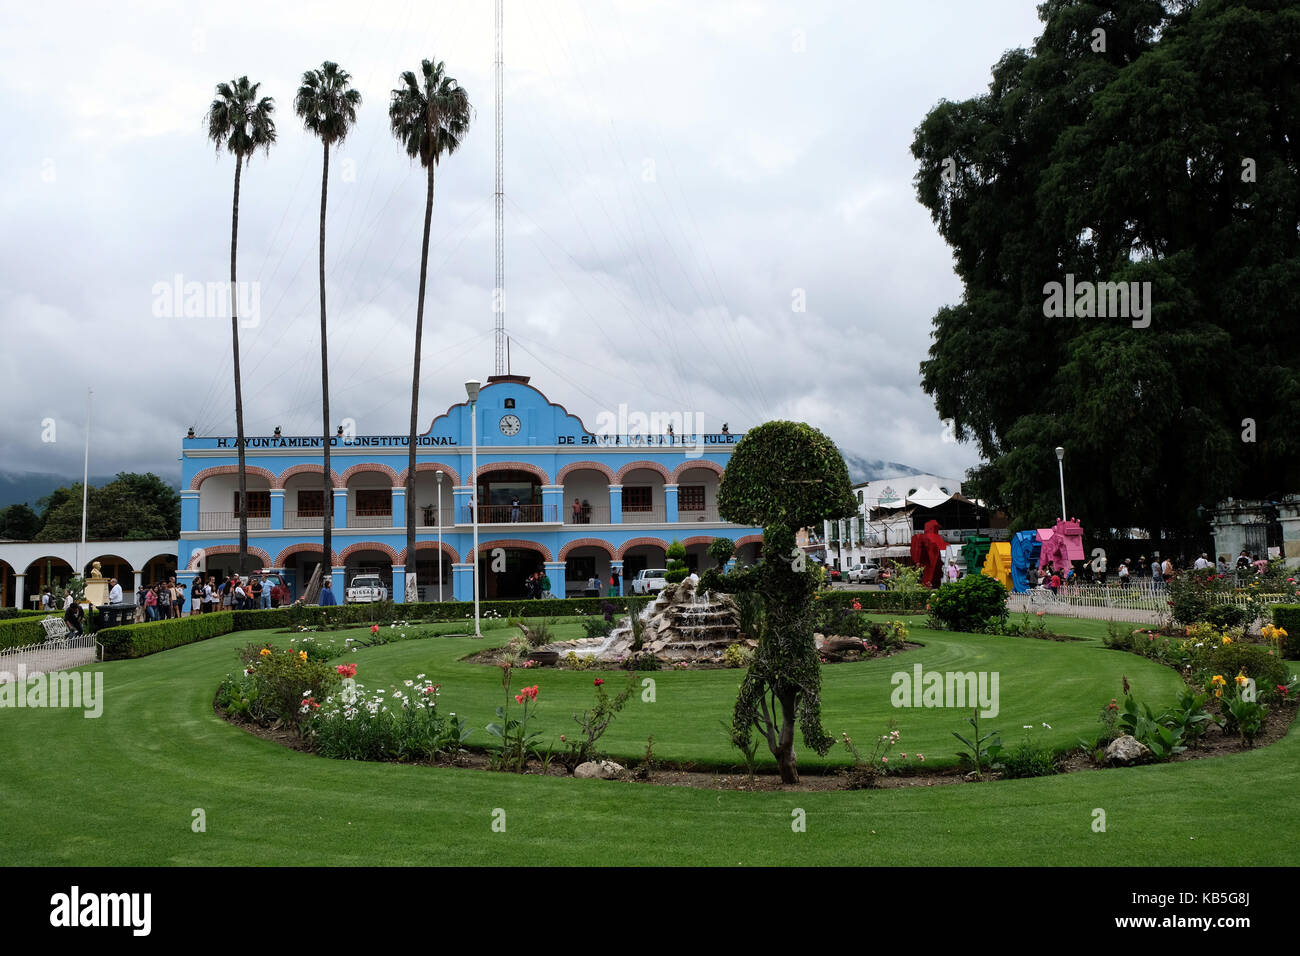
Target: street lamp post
x=471 y=389
x=439 y=535
x=1060 y=467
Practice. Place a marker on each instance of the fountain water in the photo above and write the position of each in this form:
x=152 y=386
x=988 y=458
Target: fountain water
x=680 y=624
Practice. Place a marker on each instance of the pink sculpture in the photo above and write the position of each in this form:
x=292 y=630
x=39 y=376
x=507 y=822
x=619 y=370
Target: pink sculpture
x=1062 y=544
x=927 y=551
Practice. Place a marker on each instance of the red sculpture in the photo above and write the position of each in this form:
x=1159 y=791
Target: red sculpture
x=927 y=553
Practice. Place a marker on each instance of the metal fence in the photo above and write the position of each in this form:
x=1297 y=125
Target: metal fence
x=49 y=656
x=1143 y=603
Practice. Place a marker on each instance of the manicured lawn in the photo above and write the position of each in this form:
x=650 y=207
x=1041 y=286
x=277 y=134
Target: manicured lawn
x=121 y=789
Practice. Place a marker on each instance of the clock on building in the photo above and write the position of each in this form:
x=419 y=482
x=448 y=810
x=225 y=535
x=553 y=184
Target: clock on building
x=510 y=425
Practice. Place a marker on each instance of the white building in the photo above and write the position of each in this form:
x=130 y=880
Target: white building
x=880 y=529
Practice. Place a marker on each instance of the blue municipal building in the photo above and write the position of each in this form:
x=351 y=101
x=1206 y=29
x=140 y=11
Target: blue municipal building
x=552 y=496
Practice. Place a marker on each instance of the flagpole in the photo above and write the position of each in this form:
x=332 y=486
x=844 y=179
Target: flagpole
x=85 y=486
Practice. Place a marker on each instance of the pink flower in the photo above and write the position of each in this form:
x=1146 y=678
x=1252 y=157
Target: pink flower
x=884 y=760
x=347 y=670
x=374 y=628
x=857 y=605
x=921 y=757
x=598 y=681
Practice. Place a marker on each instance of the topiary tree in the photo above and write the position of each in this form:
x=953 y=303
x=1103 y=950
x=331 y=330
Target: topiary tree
x=721 y=550
x=782 y=476
x=677 y=570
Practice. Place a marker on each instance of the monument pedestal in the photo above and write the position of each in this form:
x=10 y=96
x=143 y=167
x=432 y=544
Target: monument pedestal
x=97 y=591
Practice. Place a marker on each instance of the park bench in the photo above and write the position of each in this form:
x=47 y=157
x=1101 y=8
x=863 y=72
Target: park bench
x=55 y=628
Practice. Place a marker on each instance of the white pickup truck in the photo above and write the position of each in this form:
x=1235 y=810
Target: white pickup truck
x=649 y=581
x=366 y=589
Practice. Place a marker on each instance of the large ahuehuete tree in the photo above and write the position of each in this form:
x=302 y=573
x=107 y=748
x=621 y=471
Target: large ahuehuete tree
x=328 y=105
x=1137 y=141
x=430 y=115
x=783 y=476
x=240 y=122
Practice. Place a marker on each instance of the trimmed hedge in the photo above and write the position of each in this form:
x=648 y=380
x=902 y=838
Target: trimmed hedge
x=1287 y=617
x=381 y=612
x=22 y=630
x=876 y=600
x=137 y=640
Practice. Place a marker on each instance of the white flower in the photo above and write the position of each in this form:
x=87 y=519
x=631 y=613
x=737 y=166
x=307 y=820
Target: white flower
x=1029 y=727
x=1047 y=725
x=307 y=692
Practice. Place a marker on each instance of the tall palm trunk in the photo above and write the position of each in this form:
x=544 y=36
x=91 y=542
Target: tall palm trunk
x=327 y=482
x=415 y=383
x=239 y=387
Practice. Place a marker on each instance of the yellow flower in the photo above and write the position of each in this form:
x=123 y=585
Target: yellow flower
x=1226 y=639
x=1279 y=632
x=302 y=655
x=266 y=652
x=1241 y=678
x=1218 y=680
x=1266 y=632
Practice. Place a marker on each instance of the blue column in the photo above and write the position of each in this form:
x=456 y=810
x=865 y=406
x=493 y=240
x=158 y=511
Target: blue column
x=185 y=580
x=277 y=509
x=399 y=584
x=340 y=510
x=553 y=503
x=462 y=581
x=615 y=504
x=339 y=584
x=555 y=571
x=189 y=511
x=399 y=508
x=670 y=503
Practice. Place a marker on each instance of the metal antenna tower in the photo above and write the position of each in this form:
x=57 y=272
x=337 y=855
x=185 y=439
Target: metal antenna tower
x=499 y=294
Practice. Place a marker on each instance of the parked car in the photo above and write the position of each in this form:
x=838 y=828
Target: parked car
x=366 y=589
x=649 y=581
x=864 y=574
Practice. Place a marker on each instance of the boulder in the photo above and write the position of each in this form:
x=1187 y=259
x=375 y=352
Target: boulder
x=598 y=770
x=1126 y=751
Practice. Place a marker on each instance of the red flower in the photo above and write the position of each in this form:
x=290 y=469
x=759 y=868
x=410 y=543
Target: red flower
x=857 y=605
x=374 y=628
x=1284 y=689
x=519 y=698
x=347 y=670
x=598 y=681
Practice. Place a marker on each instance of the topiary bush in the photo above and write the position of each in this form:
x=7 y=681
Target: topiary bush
x=968 y=603
x=677 y=570
x=722 y=550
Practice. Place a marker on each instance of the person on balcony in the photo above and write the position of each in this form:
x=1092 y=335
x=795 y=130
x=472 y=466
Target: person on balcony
x=514 y=509
x=577 y=511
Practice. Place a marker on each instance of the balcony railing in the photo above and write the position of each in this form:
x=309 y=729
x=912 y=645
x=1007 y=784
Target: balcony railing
x=649 y=514
x=591 y=514
x=371 y=518
x=430 y=519
x=509 y=514
x=707 y=513
x=226 y=521
x=304 y=519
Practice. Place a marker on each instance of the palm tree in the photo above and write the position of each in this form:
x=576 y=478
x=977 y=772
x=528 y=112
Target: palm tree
x=328 y=107
x=430 y=115
x=242 y=123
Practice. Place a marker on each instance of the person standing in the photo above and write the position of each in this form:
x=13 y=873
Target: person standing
x=514 y=509
x=615 y=583
x=114 y=591
x=1101 y=569
x=577 y=511
x=327 y=598
x=196 y=596
x=1202 y=562
x=150 y=603
x=163 y=601
x=255 y=593
x=1123 y=574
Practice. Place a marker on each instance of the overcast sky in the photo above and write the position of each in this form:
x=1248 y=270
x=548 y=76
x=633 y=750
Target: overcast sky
x=675 y=174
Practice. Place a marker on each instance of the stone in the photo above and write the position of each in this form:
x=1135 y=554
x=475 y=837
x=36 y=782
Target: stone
x=598 y=770
x=1125 y=751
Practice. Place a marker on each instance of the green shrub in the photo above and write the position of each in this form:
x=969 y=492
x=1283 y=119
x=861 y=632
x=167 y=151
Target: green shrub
x=1225 y=617
x=401 y=725
x=382 y=612
x=1287 y=617
x=1027 y=760
x=737 y=655
x=137 y=640
x=722 y=550
x=893 y=601
x=968 y=604
x=1229 y=660
x=274 y=685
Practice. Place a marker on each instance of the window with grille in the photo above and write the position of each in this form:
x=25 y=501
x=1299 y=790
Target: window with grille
x=636 y=498
x=690 y=498
x=259 y=504
x=375 y=501
x=311 y=504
